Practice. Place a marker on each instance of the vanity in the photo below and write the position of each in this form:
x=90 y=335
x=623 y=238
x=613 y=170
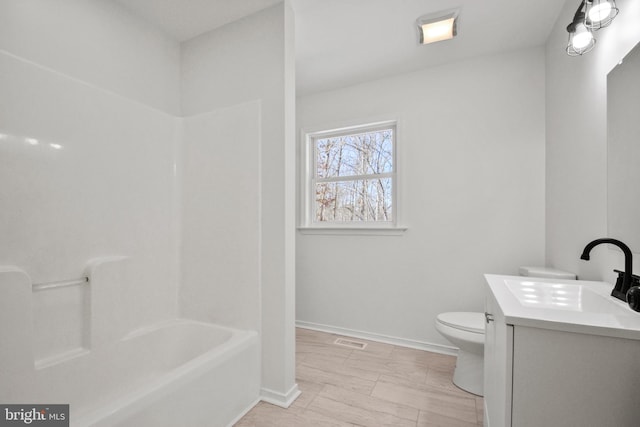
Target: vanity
x=559 y=353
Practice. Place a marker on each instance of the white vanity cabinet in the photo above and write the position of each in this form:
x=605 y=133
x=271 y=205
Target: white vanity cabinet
x=498 y=357
x=543 y=370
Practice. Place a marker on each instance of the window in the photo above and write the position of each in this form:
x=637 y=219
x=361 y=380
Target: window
x=351 y=179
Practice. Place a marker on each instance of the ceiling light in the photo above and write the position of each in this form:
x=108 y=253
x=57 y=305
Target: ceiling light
x=600 y=13
x=438 y=26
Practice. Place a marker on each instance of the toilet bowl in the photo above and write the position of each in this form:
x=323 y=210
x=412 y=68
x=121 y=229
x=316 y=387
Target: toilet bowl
x=465 y=331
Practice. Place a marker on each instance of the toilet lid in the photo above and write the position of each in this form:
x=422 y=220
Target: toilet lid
x=471 y=322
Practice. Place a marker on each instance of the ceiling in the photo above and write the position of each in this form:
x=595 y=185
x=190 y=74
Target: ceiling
x=344 y=42
x=185 y=19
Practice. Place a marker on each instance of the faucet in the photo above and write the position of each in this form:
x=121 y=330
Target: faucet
x=622 y=286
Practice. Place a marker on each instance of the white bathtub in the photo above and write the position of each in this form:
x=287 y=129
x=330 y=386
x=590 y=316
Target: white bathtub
x=76 y=345
x=175 y=373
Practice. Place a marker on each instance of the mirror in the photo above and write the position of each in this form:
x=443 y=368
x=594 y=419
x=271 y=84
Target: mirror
x=623 y=150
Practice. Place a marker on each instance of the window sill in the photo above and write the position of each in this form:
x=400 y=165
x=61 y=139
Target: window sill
x=353 y=231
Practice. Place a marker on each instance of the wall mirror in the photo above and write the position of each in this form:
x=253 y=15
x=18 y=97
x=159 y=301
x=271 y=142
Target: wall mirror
x=623 y=150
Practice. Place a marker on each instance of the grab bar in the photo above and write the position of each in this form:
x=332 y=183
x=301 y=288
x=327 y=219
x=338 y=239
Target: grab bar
x=62 y=284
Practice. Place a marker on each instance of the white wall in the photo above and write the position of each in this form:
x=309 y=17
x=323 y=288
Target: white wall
x=471 y=141
x=576 y=133
x=108 y=189
x=96 y=42
x=251 y=60
x=220 y=257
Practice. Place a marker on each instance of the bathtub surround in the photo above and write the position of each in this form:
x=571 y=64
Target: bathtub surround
x=77 y=183
x=105 y=138
x=221 y=187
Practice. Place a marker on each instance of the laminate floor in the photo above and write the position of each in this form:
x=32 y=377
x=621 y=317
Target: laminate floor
x=380 y=385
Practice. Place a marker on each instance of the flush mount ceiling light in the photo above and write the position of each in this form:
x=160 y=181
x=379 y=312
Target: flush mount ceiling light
x=438 y=26
x=591 y=15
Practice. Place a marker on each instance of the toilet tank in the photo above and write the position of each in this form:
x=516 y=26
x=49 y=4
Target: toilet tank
x=544 y=272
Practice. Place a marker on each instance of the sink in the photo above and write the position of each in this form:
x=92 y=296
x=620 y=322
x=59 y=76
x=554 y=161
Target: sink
x=566 y=305
x=562 y=296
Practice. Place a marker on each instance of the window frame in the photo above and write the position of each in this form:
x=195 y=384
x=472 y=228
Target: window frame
x=308 y=181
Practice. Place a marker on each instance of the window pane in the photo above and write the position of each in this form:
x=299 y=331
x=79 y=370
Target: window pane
x=354 y=201
x=359 y=154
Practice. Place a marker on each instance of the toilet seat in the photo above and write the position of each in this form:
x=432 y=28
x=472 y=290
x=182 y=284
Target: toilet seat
x=470 y=322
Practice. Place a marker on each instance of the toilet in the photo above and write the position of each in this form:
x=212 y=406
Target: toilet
x=465 y=330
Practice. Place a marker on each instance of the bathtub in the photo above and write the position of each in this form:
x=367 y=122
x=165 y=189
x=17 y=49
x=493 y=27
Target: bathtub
x=76 y=344
x=175 y=373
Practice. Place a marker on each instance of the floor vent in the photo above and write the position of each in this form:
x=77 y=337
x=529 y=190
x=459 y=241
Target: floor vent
x=350 y=343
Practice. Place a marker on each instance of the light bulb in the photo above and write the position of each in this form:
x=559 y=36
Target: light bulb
x=581 y=38
x=600 y=12
x=438 y=31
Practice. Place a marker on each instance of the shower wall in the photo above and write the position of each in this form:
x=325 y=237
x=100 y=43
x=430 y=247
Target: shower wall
x=220 y=261
x=87 y=156
x=116 y=140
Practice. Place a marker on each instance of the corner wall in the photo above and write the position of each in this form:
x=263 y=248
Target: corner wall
x=471 y=164
x=250 y=62
x=576 y=135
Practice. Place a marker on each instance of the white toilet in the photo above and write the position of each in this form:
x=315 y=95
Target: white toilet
x=466 y=331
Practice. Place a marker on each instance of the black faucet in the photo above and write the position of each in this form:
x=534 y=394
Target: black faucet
x=622 y=284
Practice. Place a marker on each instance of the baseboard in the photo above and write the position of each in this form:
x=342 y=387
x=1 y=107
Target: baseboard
x=273 y=397
x=402 y=342
x=243 y=413
x=279 y=399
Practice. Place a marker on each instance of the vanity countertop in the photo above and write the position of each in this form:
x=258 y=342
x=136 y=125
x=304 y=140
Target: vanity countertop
x=567 y=305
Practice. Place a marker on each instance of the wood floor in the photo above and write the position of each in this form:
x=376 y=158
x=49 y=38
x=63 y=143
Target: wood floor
x=381 y=385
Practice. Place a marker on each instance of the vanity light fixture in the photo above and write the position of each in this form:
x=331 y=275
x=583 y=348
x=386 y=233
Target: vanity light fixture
x=591 y=15
x=600 y=13
x=581 y=38
x=438 y=26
